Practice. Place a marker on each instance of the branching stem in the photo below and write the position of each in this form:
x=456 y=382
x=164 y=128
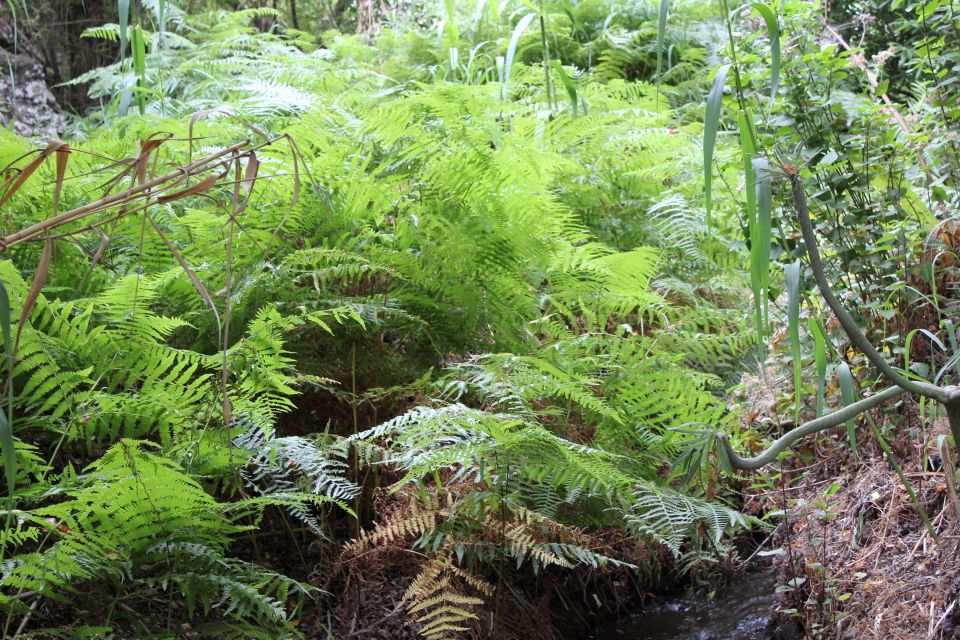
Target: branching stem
x=822 y=423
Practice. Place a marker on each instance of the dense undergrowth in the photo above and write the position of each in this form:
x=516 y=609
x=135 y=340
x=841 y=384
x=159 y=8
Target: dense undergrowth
x=450 y=298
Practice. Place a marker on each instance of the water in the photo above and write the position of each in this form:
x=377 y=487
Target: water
x=740 y=611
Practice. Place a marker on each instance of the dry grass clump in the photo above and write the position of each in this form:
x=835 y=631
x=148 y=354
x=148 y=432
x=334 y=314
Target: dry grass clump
x=855 y=550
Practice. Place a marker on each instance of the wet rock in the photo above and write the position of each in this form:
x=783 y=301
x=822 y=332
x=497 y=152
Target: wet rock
x=26 y=100
x=784 y=628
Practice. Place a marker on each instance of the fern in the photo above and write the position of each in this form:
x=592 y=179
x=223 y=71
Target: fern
x=133 y=513
x=531 y=297
x=436 y=600
x=670 y=517
x=293 y=471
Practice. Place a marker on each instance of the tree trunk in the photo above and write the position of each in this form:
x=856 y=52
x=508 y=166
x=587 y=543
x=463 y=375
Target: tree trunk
x=368 y=17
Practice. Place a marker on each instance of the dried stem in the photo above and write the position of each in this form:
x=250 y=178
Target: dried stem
x=174 y=177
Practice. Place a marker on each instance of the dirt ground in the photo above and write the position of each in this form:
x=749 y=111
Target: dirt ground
x=855 y=558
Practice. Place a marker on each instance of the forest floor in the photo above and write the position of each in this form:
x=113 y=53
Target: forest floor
x=855 y=558
x=852 y=553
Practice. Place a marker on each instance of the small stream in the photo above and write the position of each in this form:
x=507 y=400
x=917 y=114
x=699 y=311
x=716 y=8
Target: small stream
x=739 y=611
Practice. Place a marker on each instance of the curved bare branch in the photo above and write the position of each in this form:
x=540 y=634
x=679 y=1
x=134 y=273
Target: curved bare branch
x=814 y=426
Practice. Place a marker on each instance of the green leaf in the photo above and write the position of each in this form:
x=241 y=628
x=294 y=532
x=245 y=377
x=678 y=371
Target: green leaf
x=773 y=32
x=512 y=50
x=568 y=84
x=849 y=397
x=6 y=424
x=661 y=31
x=819 y=360
x=123 y=8
x=711 y=123
x=791 y=276
x=760 y=244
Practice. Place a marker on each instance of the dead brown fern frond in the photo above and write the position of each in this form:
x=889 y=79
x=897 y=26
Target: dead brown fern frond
x=420 y=515
x=439 y=599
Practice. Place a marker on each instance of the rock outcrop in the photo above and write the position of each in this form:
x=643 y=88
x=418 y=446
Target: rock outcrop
x=25 y=99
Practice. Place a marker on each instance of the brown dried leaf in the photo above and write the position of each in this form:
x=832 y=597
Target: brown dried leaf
x=39 y=279
x=250 y=177
x=195 y=189
x=63 y=154
x=55 y=145
x=147 y=147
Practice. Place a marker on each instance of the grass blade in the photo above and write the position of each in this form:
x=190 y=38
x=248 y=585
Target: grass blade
x=139 y=50
x=16 y=182
x=9 y=454
x=661 y=32
x=773 y=32
x=551 y=90
x=197 y=284
x=568 y=84
x=147 y=147
x=512 y=51
x=760 y=244
x=195 y=189
x=441 y=29
x=748 y=151
x=123 y=8
x=6 y=418
x=711 y=122
x=952 y=338
x=39 y=279
x=849 y=395
x=951 y=334
x=903 y=478
x=819 y=360
x=63 y=155
x=451 y=26
x=791 y=276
